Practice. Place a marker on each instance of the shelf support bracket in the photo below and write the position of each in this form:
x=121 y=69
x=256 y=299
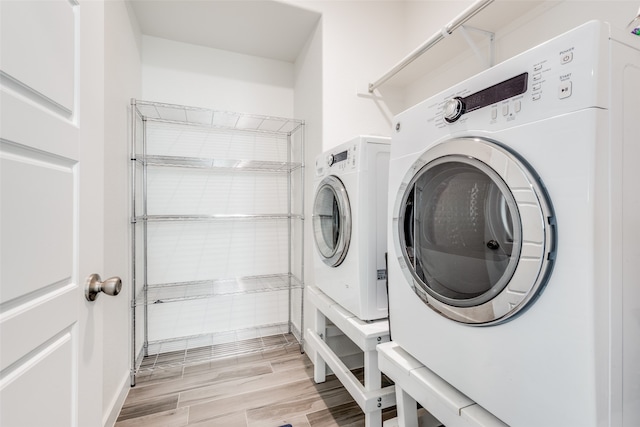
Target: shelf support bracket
x=490 y=61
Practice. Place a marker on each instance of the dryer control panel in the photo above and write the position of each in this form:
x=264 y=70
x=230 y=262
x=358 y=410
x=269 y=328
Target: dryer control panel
x=454 y=108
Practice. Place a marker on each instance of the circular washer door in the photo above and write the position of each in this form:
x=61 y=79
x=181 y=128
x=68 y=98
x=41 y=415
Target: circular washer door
x=332 y=221
x=475 y=230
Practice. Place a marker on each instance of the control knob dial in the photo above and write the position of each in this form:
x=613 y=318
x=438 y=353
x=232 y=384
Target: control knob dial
x=453 y=109
x=330 y=160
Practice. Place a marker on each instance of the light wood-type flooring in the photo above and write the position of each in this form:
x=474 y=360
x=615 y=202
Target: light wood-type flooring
x=263 y=389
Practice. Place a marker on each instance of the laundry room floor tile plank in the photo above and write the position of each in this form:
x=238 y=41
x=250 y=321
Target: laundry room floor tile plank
x=347 y=414
x=263 y=389
x=236 y=419
x=343 y=415
x=231 y=389
x=291 y=392
x=202 y=379
x=159 y=375
x=280 y=413
x=148 y=407
x=173 y=418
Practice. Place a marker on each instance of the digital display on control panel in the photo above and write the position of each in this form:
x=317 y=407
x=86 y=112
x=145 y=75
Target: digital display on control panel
x=496 y=93
x=338 y=157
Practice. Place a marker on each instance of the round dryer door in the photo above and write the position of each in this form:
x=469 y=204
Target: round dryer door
x=332 y=221
x=475 y=229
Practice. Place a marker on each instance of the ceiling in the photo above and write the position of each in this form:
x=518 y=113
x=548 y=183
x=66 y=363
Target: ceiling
x=263 y=28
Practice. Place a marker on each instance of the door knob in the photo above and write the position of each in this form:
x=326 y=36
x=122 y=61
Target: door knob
x=95 y=285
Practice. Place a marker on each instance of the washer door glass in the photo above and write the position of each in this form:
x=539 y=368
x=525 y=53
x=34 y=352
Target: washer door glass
x=461 y=231
x=332 y=221
x=475 y=231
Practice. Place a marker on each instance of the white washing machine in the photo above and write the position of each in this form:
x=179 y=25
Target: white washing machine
x=514 y=255
x=350 y=225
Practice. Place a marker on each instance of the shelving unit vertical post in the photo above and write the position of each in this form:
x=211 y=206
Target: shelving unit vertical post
x=217 y=234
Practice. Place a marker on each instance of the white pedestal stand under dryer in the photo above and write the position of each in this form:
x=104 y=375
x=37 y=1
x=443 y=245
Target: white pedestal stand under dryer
x=414 y=382
x=371 y=397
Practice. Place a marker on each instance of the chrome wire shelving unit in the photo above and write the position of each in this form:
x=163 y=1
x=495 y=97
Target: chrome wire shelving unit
x=217 y=235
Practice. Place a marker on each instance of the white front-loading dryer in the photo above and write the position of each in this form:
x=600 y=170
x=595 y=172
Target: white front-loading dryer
x=350 y=225
x=514 y=239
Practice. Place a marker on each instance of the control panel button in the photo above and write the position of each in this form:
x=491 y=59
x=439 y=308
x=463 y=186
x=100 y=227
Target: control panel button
x=517 y=106
x=494 y=113
x=536 y=96
x=537 y=67
x=505 y=109
x=537 y=77
x=564 y=90
x=567 y=57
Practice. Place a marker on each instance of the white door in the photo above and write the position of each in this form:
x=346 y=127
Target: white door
x=51 y=136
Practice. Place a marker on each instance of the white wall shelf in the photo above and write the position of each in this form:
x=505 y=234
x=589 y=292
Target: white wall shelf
x=217 y=218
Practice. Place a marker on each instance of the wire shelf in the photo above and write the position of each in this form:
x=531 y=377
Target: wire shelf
x=221 y=217
x=222 y=164
x=179 y=114
x=182 y=291
x=216 y=208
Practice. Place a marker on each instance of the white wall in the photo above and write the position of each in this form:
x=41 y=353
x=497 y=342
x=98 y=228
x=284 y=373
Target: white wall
x=122 y=82
x=423 y=18
x=561 y=17
x=357 y=37
x=187 y=74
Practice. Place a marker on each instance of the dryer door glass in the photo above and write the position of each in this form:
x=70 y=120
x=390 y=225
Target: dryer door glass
x=332 y=221
x=461 y=231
